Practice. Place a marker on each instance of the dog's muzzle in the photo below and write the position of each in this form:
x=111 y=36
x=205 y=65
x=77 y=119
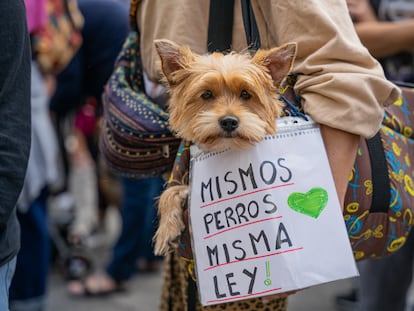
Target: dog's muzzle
x=229 y=123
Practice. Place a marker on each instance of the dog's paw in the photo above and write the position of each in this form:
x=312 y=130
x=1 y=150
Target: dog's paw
x=166 y=239
x=171 y=224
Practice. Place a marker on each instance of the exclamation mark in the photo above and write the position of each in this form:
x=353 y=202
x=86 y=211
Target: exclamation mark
x=268 y=281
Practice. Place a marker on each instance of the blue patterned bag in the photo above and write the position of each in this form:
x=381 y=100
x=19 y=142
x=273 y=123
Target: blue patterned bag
x=135 y=140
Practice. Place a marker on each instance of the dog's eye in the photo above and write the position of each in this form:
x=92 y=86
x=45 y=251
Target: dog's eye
x=245 y=95
x=207 y=94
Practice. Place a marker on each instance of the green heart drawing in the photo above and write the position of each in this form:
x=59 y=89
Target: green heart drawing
x=311 y=203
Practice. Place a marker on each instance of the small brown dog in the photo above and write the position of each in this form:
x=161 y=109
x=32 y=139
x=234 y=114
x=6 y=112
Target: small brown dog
x=217 y=101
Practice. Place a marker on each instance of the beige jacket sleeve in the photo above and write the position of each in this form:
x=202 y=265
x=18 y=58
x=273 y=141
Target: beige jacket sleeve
x=340 y=83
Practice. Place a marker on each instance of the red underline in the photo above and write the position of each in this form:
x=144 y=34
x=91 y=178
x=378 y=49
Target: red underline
x=239 y=226
x=243 y=296
x=244 y=194
x=252 y=258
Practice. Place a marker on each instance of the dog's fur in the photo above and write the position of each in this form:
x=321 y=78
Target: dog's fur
x=216 y=101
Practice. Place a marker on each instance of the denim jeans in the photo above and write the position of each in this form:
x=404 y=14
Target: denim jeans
x=138 y=215
x=6 y=275
x=29 y=285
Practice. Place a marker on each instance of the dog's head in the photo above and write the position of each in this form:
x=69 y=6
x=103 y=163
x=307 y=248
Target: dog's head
x=224 y=100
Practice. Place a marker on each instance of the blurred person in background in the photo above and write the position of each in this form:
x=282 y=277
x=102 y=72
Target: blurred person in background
x=76 y=107
x=385 y=27
x=77 y=100
x=133 y=251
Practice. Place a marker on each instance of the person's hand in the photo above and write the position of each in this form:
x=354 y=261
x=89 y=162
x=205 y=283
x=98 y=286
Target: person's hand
x=361 y=10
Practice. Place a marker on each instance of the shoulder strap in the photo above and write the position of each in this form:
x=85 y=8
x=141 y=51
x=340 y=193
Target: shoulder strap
x=381 y=196
x=250 y=26
x=220 y=25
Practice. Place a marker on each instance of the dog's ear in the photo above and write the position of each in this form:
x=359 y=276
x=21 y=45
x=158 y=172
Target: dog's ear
x=279 y=61
x=173 y=57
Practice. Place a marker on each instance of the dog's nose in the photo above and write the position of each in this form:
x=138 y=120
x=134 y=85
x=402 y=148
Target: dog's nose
x=229 y=123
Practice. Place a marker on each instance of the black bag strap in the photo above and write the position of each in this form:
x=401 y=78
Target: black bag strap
x=380 y=180
x=220 y=25
x=191 y=294
x=250 y=26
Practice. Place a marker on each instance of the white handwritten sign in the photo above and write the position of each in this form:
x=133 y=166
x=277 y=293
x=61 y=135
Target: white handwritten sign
x=267 y=220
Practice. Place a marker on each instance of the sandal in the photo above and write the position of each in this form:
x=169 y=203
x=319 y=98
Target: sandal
x=95 y=285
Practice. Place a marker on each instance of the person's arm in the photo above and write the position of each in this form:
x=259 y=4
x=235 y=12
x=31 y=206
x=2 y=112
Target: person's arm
x=341 y=148
x=361 y=10
x=14 y=104
x=381 y=38
x=386 y=38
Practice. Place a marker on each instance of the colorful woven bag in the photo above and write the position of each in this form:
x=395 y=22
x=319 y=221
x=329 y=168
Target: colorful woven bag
x=379 y=202
x=135 y=139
